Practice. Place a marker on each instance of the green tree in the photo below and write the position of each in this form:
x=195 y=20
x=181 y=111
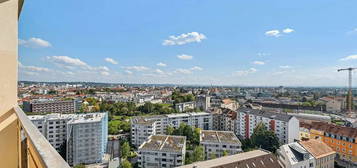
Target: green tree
x=225 y=153
x=125 y=150
x=79 y=166
x=265 y=139
x=169 y=130
x=213 y=155
x=198 y=154
x=196 y=136
x=126 y=164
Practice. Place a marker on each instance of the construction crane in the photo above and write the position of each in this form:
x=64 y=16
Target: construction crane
x=349 y=95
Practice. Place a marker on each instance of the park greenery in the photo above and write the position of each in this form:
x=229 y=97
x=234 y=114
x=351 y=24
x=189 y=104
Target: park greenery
x=192 y=142
x=261 y=138
x=179 y=97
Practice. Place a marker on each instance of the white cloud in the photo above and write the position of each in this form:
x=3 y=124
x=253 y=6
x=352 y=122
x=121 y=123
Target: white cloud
x=288 y=30
x=161 y=64
x=159 y=71
x=137 y=68
x=273 y=33
x=101 y=68
x=351 y=57
x=33 y=68
x=184 y=57
x=68 y=61
x=183 y=71
x=285 y=67
x=31 y=73
x=196 y=68
x=105 y=73
x=111 y=60
x=128 y=72
x=35 y=43
x=263 y=54
x=245 y=72
x=184 y=39
x=258 y=62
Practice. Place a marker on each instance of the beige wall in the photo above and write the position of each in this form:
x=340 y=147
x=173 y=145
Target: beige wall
x=8 y=54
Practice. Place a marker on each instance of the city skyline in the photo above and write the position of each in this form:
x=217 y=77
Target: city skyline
x=189 y=42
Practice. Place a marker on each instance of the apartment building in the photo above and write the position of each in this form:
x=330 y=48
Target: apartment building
x=203 y=102
x=144 y=126
x=293 y=155
x=285 y=127
x=251 y=159
x=52 y=106
x=85 y=135
x=324 y=155
x=181 y=107
x=310 y=154
x=161 y=151
x=343 y=140
x=224 y=119
x=229 y=104
x=217 y=143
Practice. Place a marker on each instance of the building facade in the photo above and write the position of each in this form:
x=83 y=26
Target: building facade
x=143 y=127
x=52 y=106
x=293 y=155
x=181 y=107
x=285 y=127
x=343 y=140
x=224 y=119
x=84 y=135
x=162 y=151
x=219 y=143
x=203 y=102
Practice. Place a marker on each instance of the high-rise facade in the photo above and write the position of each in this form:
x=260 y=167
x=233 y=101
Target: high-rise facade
x=84 y=135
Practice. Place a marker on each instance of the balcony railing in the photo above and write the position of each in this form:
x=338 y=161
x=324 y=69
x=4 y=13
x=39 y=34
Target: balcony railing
x=22 y=145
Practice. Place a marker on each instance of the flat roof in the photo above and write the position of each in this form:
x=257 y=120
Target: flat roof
x=164 y=143
x=256 y=158
x=223 y=137
x=266 y=114
x=73 y=118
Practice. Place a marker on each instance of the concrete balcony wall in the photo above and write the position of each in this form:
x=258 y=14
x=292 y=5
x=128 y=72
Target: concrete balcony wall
x=21 y=144
x=9 y=11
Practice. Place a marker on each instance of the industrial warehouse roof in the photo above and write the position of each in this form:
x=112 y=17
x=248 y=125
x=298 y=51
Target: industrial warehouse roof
x=252 y=159
x=164 y=143
x=266 y=114
x=224 y=137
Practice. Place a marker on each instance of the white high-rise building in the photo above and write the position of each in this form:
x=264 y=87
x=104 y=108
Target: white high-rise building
x=85 y=135
x=285 y=127
x=203 y=102
x=143 y=127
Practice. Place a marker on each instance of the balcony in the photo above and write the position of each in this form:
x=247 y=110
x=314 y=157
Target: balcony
x=22 y=145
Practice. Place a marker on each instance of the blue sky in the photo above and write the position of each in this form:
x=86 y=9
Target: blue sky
x=227 y=42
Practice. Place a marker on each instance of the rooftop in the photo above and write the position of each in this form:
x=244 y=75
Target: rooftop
x=252 y=159
x=219 y=137
x=164 y=143
x=74 y=118
x=295 y=152
x=317 y=148
x=277 y=116
x=331 y=128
